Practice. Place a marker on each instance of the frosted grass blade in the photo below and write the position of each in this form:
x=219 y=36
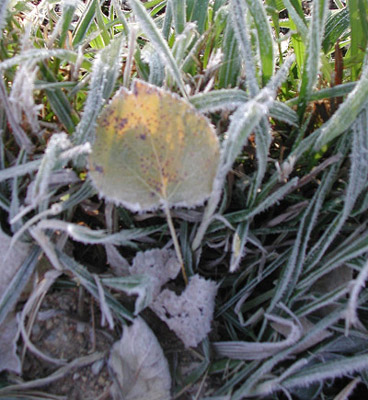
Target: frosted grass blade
x=238 y=15
x=312 y=60
x=18 y=283
x=68 y=9
x=357 y=181
x=86 y=279
x=19 y=170
x=358 y=39
x=38 y=54
x=154 y=35
x=250 y=387
x=89 y=236
x=230 y=68
x=335 y=91
x=243 y=121
x=265 y=41
x=229 y=99
x=19 y=135
x=240 y=239
x=121 y=17
x=84 y=22
x=178 y=8
x=199 y=14
x=346 y=113
x=297 y=19
x=336 y=24
x=3 y=13
x=106 y=68
x=344 y=253
x=58 y=100
x=327 y=370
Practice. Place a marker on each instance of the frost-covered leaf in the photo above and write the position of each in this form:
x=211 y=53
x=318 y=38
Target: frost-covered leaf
x=161 y=46
x=307 y=327
x=3 y=14
x=21 y=96
x=160 y=264
x=150 y=271
x=242 y=350
x=141 y=286
x=153 y=148
x=8 y=329
x=138 y=365
x=105 y=71
x=190 y=314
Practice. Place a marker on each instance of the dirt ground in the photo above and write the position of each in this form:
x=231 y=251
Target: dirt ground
x=60 y=332
x=63 y=332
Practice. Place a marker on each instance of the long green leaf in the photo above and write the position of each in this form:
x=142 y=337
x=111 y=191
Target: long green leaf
x=154 y=35
x=84 y=23
x=198 y=13
x=312 y=60
x=229 y=71
x=178 y=11
x=15 y=288
x=358 y=17
x=105 y=71
x=346 y=113
x=264 y=36
x=241 y=29
x=336 y=24
x=58 y=101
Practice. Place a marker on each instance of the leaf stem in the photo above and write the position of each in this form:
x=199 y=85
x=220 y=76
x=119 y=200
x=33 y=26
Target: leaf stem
x=175 y=240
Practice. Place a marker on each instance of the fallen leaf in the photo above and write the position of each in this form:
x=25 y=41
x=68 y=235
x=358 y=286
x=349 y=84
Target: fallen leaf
x=190 y=314
x=161 y=264
x=153 y=148
x=138 y=365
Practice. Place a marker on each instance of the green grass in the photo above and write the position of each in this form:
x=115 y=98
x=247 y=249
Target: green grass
x=286 y=90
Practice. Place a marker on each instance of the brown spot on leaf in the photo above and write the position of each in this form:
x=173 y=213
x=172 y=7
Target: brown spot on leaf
x=98 y=168
x=103 y=122
x=122 y=123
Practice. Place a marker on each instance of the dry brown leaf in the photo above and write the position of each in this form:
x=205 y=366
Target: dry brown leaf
x=138 y=365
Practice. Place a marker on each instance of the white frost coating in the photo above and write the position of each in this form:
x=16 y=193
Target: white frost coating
x=162 y=265
x=257 y=351
x=351 y=315
x=138 y=365
x=76 y=151
x=190 y=314
x=70 y=3
x=21 y=96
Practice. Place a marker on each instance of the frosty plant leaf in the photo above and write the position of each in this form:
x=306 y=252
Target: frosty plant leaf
x=138 y=365
x=190 y=314
x=153 y=150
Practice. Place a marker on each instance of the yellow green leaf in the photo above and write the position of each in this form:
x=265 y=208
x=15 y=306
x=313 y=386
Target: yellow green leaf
x=153 y=150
